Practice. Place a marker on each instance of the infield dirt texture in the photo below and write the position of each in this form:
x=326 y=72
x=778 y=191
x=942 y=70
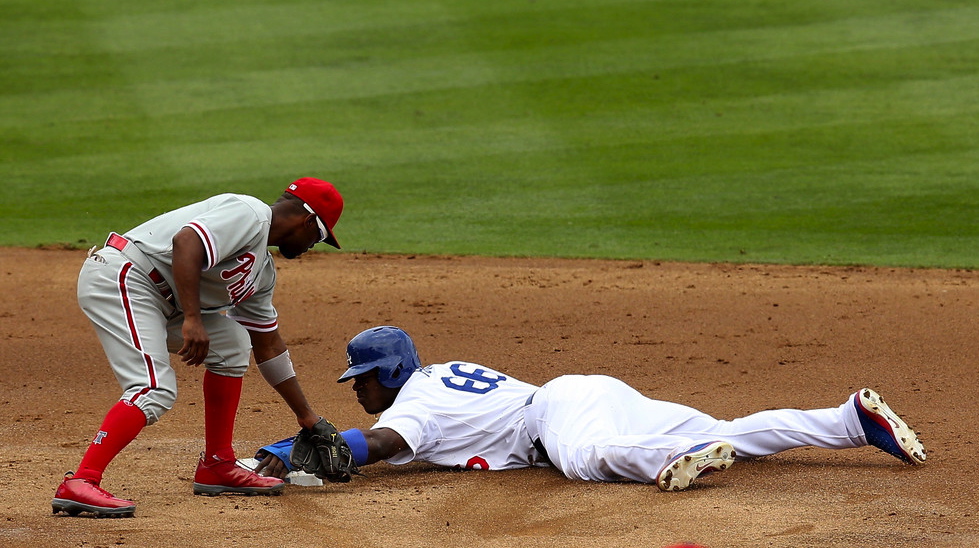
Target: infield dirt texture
x=727 y=339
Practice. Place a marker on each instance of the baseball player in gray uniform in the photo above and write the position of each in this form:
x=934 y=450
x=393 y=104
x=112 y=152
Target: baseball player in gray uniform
x=590 y=427
x=196 y=282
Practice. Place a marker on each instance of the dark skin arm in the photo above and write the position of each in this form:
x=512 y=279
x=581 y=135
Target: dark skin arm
x=188 y=260
x=293 y=231
x=382 y=443
x=267 y=345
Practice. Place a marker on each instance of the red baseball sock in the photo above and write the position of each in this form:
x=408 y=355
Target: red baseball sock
x=120 y=427
x=221 y=397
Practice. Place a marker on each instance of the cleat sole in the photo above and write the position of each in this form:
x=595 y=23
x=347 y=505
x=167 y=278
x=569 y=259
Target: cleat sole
x=697 y=461
x=215 y=490
x=904 y=443
x=73 y=509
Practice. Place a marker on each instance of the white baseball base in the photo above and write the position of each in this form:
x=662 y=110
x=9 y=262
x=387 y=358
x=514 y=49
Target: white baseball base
x=295 y=478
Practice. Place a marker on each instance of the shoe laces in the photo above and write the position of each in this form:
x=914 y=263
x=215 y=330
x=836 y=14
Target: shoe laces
x=96 y=487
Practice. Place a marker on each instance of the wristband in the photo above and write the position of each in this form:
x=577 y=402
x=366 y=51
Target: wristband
x=358 y=445
x=277 y=369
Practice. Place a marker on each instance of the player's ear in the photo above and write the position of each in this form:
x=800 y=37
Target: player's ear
x=310 y=221
x=288 y=212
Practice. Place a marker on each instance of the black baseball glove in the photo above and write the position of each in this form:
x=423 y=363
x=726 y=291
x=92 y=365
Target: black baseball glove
x=322 y=451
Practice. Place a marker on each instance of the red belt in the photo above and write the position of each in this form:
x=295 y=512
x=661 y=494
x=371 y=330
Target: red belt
x=116 y=241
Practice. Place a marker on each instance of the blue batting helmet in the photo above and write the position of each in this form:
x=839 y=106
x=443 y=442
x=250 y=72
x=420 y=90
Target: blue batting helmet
x=388 y=349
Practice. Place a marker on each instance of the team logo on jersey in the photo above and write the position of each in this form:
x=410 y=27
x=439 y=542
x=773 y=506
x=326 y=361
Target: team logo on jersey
x=242 y=279
x=99 y=437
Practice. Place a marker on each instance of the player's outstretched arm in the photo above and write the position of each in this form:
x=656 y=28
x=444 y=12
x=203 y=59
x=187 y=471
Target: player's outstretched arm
x=379 y=444
x=274 y=362
x=383 y=443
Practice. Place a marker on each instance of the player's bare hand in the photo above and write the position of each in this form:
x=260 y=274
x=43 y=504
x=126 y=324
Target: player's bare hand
x=196 y=342
x=272 y=466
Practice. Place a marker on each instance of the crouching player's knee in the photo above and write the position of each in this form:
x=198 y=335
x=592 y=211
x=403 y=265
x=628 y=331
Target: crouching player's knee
x=154 y=402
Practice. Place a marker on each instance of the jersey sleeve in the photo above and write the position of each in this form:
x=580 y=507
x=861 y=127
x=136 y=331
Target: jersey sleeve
x=411 y=422
x=231 y=225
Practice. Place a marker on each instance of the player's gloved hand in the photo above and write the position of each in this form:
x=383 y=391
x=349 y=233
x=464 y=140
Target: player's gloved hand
x=321 y=450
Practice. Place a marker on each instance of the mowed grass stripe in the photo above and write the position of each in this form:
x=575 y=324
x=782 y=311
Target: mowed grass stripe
x=743 y=217
x=582 y=100
x=655 y=131
x=382 y=76
x=137 y=26
x=819 y=119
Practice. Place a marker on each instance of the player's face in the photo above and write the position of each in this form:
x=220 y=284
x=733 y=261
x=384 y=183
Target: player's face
x=302 y=239
x=371 y=394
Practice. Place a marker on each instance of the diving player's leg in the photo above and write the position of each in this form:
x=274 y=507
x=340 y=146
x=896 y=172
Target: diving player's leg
x=599 y=428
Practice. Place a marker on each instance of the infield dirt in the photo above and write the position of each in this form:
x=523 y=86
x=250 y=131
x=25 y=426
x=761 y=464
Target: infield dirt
x=727 y=339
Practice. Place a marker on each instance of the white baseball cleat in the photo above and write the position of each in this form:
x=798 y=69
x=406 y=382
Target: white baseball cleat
x=684 y=467
x=885 y=430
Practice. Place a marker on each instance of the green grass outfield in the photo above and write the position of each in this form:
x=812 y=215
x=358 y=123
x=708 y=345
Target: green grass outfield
x=830 y=132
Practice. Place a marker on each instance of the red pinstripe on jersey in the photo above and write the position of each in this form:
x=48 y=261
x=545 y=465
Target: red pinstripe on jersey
x=210 y=249
x=133 y=331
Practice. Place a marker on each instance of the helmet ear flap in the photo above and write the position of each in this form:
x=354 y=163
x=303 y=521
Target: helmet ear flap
x=391 y=376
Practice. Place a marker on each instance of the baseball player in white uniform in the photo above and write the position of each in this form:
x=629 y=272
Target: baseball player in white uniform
x=590 y=427
x=196 y=282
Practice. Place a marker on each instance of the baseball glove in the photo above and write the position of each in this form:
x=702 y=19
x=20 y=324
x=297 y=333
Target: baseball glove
x=322 y=451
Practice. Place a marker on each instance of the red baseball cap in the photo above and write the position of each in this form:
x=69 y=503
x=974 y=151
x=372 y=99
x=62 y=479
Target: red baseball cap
x=324 y=200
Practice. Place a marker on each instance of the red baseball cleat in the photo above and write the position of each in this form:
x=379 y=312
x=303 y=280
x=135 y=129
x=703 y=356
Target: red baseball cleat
x=225 y=476
x=75 y=496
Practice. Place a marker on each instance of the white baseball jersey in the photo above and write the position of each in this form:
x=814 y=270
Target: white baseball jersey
x=462 y=415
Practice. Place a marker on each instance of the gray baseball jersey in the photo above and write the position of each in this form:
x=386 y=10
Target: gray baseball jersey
x=238 y=272
x=125 y=290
